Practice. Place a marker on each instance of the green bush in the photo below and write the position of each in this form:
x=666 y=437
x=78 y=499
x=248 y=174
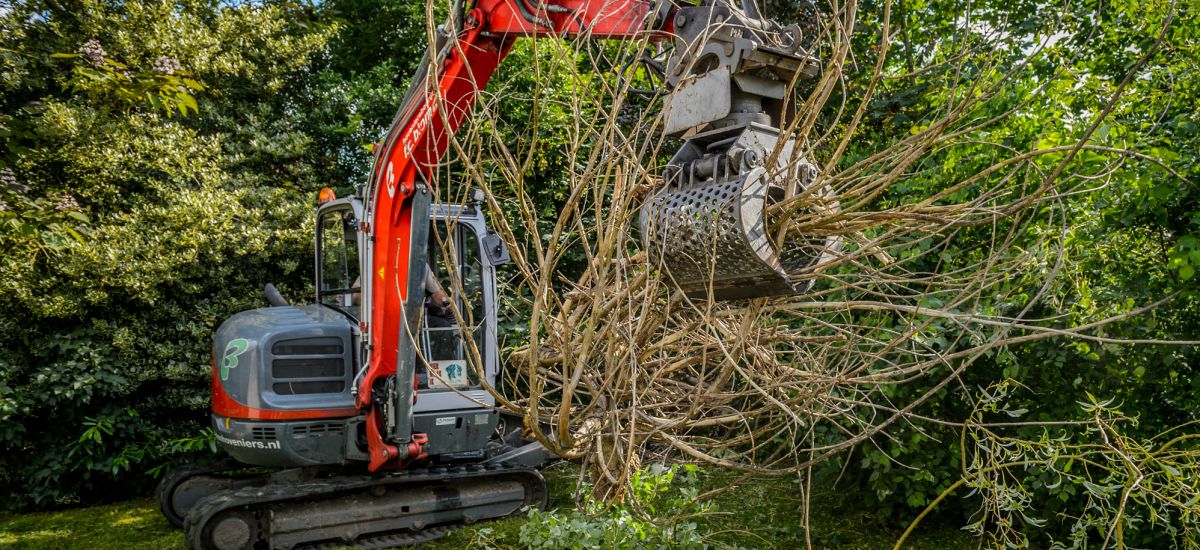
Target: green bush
x=1124 y=244
x=660 y=512
x=128 y=231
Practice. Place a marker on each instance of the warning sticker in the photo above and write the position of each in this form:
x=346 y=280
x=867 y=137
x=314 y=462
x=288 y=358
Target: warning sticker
x=448 y=374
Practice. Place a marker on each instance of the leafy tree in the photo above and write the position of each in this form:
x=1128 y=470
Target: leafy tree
x=157 y=173
x=1127 y=244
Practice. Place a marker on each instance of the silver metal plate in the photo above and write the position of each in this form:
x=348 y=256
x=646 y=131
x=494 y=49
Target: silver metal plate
x=699 y=100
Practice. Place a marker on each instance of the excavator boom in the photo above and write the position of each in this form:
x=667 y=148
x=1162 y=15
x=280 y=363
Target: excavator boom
x=442 y=94
x=730 y=77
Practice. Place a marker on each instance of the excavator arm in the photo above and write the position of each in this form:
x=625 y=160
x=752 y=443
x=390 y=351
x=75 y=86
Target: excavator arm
x=441 y=96
x=729 y=75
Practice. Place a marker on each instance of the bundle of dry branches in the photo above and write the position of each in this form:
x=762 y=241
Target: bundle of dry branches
x=619 y=364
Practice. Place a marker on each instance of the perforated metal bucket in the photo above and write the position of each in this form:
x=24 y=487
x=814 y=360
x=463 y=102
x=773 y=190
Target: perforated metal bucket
x=712 y=237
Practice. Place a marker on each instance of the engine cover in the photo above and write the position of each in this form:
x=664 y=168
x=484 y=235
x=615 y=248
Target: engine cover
x=284 y=363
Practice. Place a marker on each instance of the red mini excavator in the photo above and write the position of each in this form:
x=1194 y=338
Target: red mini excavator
x=369 y=409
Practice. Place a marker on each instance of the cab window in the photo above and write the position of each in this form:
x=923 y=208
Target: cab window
x=337 y=261
x=455 y=263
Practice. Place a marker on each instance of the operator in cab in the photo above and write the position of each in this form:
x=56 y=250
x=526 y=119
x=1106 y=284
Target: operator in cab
x=437 y=302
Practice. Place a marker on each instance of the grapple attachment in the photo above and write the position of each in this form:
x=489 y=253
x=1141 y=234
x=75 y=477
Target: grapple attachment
x=715 y=232
x=706 y=227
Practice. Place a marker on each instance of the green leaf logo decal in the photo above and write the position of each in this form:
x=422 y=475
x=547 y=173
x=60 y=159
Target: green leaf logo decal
x=229 y=359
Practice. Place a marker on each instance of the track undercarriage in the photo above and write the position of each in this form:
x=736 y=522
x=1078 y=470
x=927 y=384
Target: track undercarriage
x=365 y=511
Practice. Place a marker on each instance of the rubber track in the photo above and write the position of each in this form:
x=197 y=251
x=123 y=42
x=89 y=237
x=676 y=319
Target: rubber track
x=177 y=476
x=307 y=491
x=393 y=540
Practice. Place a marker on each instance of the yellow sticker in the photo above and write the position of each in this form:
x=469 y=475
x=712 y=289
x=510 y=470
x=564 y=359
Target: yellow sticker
x=381 y=273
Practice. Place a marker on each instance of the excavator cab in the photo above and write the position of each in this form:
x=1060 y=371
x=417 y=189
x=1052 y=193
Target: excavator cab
x=456 y=351
x=456 y=343
x=453 y=348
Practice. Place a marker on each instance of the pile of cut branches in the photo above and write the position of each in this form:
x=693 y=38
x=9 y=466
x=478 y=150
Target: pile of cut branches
x=935 y=269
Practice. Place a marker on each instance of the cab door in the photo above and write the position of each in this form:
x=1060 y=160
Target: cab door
x=457 y=346
x=337 y=259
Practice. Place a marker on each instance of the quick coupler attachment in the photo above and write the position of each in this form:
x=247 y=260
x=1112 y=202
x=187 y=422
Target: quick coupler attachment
x=707 y=227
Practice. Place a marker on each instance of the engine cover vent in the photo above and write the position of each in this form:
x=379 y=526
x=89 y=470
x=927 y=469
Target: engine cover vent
x=308 y=368
x=318 y=428
x=299 y=388
x=308 y=346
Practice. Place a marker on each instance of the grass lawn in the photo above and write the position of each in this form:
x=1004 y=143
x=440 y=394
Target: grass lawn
x=755 y=514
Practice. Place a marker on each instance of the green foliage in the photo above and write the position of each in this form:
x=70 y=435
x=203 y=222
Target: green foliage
x=168 y=89
x=1128 y=243
x=128 y=234
x=1103 y=484
x=1185 y=257
x=661 y=512
x=41 y=224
